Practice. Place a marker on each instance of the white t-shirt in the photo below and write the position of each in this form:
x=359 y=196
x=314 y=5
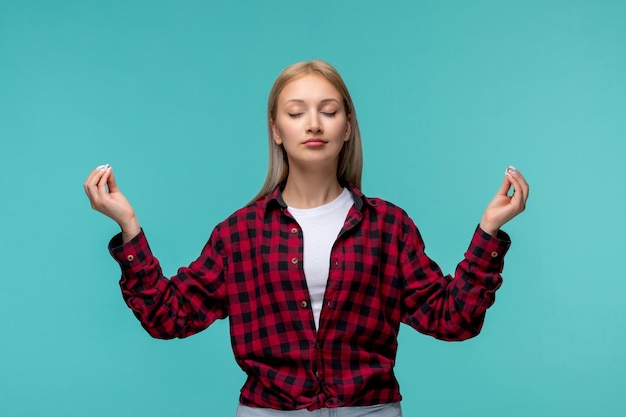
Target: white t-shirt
x=320 y=227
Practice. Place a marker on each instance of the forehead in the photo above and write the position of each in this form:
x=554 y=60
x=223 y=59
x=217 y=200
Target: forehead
x=311 y=87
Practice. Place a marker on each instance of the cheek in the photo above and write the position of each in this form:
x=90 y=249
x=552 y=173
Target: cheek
x=341 y=129
x=285 y=130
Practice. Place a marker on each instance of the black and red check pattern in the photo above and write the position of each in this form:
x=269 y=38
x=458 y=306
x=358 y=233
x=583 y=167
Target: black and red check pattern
x=251 y=270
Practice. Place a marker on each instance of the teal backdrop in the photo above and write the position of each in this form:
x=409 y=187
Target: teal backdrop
x=448 y=94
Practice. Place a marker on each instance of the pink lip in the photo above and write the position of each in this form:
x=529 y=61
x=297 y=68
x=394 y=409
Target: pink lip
x=314 y=142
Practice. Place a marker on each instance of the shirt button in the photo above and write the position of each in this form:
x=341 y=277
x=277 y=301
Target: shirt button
x=294 y=230
x=494 y=254
x=130 y=258
x=304 y=304
x=294 y=260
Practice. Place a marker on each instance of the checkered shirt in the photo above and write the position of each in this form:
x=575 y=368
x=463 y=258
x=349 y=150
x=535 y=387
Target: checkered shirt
x=251 y=271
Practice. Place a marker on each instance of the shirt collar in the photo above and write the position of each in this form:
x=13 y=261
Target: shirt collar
x=276 y=198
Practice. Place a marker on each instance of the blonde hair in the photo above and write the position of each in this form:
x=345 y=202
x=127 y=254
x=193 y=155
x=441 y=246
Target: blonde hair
x=350 y=163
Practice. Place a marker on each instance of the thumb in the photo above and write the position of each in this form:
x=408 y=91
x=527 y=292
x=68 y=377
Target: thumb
x=506 y=186
x=112 y=183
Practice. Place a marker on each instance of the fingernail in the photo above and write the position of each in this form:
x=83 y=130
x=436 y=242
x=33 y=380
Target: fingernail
x=101 y=167
x=511 y=169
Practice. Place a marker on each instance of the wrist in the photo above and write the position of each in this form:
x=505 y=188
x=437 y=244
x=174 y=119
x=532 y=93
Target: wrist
x=130 y=230
x=489 y=229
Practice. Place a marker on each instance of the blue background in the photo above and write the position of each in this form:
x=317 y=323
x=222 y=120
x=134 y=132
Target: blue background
x=448 y=94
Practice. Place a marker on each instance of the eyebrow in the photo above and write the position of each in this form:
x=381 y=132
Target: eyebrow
x=326 y=100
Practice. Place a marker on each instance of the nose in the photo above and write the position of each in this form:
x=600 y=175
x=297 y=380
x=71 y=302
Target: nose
x=314 y=124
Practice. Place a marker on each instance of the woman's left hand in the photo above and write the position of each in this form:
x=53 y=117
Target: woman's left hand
x=504 y=207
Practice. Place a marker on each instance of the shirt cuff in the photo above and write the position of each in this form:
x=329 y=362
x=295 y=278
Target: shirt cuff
x=132 y=255
x=488 y=251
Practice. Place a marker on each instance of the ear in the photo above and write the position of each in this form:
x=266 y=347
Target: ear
x=346 y=136
x=275 y=133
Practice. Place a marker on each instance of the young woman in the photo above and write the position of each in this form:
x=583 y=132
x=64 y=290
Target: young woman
x=314 y=277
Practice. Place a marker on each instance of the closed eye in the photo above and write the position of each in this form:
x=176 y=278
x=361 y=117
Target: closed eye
x=295 y=115
x=329 y=113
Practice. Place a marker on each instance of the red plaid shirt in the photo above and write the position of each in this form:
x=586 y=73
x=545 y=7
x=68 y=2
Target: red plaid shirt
x=251 y=270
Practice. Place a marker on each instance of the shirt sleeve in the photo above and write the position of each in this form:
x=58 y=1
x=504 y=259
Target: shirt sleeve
x=451 y=307
x=178 y=307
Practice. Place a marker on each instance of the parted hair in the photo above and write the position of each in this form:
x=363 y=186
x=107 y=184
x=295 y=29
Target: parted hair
x=350 y=164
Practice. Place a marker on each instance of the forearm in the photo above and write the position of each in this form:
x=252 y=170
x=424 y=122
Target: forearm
x=453 y=307
x=168 y=308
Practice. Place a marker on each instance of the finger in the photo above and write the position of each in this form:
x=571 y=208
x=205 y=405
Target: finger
x=101 y=187
x=523 y=185
x=113 y=188
x=96 y=173
x=95 y=185
x=505 y=186
x=92 y=181
x=519 y=192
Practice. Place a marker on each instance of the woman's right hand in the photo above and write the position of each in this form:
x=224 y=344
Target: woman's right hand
x=106 y=197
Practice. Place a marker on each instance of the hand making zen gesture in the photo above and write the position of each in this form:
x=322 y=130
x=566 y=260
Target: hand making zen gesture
x=504 y=207
x=106 y=197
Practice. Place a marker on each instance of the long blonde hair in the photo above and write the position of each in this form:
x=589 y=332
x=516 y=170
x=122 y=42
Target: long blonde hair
x=351 y=157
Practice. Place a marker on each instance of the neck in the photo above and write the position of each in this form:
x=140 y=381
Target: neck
x=311 y=189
